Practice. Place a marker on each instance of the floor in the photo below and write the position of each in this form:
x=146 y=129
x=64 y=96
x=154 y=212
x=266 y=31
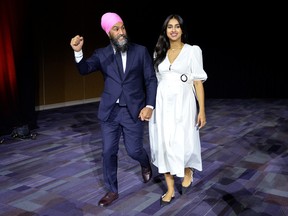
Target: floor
x=58 y=172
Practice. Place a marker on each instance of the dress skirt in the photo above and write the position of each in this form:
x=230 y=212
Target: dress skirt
x=175 y=143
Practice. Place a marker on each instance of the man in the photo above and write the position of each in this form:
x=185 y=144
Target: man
x=127 y=101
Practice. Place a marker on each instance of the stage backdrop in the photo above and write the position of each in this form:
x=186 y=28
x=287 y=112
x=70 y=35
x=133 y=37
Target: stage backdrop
x=242 y=46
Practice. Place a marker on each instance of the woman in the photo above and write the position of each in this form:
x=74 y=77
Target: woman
x=179 y=112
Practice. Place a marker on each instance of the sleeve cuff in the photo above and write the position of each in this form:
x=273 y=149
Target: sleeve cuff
x=150 y=106
x=78 y=56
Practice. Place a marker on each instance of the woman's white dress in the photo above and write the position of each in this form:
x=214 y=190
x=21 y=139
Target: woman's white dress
x=174 y=136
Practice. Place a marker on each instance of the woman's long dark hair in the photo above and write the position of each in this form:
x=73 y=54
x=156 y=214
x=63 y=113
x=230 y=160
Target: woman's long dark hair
x=163 y=43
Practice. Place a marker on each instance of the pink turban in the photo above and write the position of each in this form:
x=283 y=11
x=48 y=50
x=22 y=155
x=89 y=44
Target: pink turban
x=108 y=20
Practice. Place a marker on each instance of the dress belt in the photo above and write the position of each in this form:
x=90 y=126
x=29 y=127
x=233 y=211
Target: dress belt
x=176 y=77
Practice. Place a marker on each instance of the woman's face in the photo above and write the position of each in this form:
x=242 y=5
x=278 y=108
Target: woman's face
x=174 y=31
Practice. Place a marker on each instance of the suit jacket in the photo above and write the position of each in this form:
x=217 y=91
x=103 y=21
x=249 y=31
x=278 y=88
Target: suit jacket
x=138 y=84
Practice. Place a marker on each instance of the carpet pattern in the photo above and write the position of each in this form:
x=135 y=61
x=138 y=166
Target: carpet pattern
x=59 y=173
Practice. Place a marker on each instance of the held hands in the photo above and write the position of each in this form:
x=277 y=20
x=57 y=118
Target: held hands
x=145 y=114
x=77 y=43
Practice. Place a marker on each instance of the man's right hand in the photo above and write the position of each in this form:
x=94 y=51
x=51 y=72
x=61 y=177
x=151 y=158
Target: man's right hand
x=77 y=43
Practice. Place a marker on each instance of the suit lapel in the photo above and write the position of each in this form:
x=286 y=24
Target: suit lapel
x=109 y=54
x=130 y=58
x=129 y=61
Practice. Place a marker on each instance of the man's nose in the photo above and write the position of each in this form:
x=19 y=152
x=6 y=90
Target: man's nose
x=120 y=31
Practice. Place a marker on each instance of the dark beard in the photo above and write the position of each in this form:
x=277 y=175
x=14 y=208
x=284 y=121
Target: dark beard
x=122 y=47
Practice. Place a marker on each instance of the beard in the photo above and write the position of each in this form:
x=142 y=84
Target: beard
x=121 y=46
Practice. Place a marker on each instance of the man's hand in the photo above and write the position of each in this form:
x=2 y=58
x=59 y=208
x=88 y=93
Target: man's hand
x=145 y=114
x=77 y=43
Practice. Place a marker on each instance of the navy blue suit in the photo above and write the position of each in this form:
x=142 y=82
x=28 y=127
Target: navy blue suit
x=138 y=84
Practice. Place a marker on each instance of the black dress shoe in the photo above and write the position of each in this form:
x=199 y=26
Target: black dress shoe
x=164 y=203
x=186 y=189
x=108 y=199
x=146 y=173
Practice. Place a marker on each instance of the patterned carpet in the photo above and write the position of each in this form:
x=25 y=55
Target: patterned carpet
x=59 y=173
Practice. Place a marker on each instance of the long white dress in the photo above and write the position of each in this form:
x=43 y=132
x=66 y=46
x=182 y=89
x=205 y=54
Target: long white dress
x=173 y=133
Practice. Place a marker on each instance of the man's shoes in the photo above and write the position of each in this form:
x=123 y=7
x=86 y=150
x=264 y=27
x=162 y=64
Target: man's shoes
x=146 y=173
x=108 y=199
